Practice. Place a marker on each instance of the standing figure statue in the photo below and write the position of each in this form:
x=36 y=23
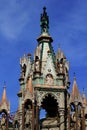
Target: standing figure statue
x=49 y=79
x=28 y=119
x=37 y=65
x=60 y=66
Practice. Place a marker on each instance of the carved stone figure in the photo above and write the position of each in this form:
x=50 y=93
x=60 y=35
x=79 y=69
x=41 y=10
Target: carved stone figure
x=50 y=123
x=28 y=118
x=73 y=116
x=60 y=68
x=37 y=65
x=74 y=120
x=49 y=79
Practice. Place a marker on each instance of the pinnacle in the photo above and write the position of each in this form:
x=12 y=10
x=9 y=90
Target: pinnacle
x=4 y=97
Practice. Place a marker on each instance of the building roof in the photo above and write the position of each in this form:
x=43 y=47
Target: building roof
x=75 y=94
x=4 y=104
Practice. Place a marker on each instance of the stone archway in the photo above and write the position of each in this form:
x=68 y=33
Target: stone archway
x=50 y=105
x=42 y=95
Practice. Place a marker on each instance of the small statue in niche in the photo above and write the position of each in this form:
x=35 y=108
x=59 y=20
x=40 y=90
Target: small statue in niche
x=37 y=64
x=23 y=71
x=73 y=117
x=49 y=79
x=28 y=118
x=60 y=67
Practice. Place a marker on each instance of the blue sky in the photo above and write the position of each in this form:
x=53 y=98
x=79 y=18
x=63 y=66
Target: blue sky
x=20 y=26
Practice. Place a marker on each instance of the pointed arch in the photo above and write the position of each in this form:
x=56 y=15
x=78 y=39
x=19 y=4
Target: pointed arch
x=46 y=94
x=50 y=104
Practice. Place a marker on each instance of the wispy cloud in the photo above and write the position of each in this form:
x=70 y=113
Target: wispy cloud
x=13 y=18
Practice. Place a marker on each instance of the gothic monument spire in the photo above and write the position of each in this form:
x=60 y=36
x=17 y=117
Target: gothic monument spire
x=44 y=21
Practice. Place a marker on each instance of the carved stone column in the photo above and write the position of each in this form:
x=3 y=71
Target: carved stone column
x=7 y=120
x=76 y=113
x=20 y=119
x=61 y=112
x=37 y=117
x=69 y=118
x=22 y=115
x=33 y=115
x=83 y=119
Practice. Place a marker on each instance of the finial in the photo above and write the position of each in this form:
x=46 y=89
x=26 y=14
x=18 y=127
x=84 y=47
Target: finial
x=44 y=21
x=44 y=9
x=83 y=92
x=4 y=85
x=29 y=55
x=74 y=76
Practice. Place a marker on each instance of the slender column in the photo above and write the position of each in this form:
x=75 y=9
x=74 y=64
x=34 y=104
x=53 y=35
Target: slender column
x=37 y=117
x=7 y=122
x=23 y=116
x=61 y=112
x=33 y=114
x=76 y=113
x=83 y=119
x=69 y=118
